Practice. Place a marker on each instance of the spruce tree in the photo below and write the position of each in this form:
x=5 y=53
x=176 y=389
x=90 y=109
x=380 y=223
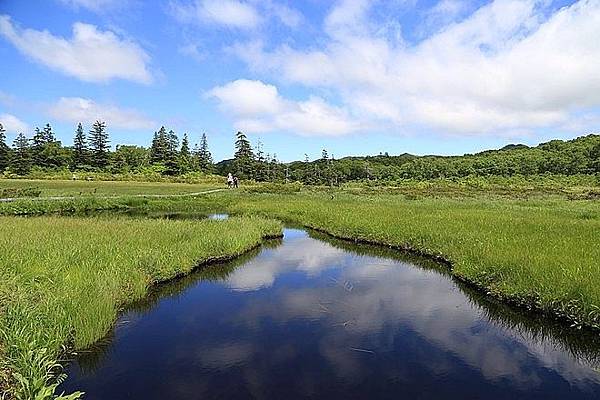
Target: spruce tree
x=45 y=149
x=244 y=157
x=20 y=161
x=185 y=159
x=205 y=160
x=4 y=150
x=172 y=156
x=99 y=145
x=160 y=147
x=48 y=135
x=80 y=150
x=37 y=147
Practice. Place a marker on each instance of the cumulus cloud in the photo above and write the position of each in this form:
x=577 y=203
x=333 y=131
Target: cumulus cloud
x=258 y=107
x=510 y=65
x=13 y=124
x=77 y=109
x=230 y=13
x=91 y=54
x=234 y=13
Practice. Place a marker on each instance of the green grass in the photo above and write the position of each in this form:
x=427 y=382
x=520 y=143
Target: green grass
x=539 y=251
x=543 y=254
x=103 y=188
x=64 y=280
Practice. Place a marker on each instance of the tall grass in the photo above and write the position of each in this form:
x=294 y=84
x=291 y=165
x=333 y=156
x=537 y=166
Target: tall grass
x=543 y=254
x=64 y=280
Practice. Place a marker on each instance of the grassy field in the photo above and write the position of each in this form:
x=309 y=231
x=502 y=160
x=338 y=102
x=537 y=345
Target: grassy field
x=103 y=188
x=65 y=278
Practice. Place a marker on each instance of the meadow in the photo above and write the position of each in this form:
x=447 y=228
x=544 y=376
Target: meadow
x=64 y=280
x=535 y=248
x=82 y=188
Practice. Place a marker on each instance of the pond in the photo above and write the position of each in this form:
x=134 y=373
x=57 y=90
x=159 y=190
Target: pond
x=313 y=317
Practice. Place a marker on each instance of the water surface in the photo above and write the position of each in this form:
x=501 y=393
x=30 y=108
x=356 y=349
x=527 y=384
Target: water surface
x=311 y=317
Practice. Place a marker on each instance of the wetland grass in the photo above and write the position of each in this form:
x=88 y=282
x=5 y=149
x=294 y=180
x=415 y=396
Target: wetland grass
x=64 y=280
x=542 y=254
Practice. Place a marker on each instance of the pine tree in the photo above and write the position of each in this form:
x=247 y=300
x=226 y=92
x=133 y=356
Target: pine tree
x=172 y=155
x=99 y=145
x=80 y=150
x=48 y=135
x=46 y=150
x=324 y=155
x=37 y=147
x=21 y=158
x=205 y=160
x=160 y=145
x=261 y=172
x=184 y=155
x=244 y=157
x=4 y=150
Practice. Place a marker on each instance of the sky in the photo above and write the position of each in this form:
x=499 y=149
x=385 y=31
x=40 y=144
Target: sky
x=356 y=77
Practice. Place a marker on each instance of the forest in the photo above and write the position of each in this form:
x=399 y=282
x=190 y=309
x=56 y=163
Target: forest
x=170 y=156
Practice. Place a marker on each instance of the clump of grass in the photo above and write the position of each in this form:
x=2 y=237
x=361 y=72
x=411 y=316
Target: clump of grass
x=65 y=279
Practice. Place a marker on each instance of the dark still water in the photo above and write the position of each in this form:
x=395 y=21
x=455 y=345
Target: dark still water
x=310 y=317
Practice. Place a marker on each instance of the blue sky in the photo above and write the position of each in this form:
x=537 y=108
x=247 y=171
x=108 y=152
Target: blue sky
x=355 y=77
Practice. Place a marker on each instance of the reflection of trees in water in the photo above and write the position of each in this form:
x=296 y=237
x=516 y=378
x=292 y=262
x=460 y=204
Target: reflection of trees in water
x=583 y=345
x=91 y=358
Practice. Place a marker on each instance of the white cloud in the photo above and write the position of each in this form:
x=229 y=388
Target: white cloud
x=13 y=124
x=192 y=50
x=288 y=16
x=258 y=107
x=246 y=15
x=508 y=66
x=77 y=109
x=90 y=54
x=230 y=13
x=94 y=5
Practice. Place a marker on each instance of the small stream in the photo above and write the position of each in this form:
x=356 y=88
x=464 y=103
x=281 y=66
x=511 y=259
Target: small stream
x=313 y=317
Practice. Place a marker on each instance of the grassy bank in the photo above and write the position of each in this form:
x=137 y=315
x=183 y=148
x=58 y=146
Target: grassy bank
x=64 y=280
x=543 y=254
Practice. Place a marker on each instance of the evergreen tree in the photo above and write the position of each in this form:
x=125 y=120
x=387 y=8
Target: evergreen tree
x=172 y=155
x=99 y=145
x=173 y=144
x=244 y=157
x=48 y=135
x=324 y=155
x=185 y=160
x=205 y=160
x=80 y=150
x=4 y=150
x=37 y=147
x=261 y=172
x=160 y=147
x=21 y=158
x=46 y=151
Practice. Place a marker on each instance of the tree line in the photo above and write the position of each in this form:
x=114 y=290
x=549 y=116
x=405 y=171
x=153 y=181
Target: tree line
x=168 y=156
x=91 y=152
